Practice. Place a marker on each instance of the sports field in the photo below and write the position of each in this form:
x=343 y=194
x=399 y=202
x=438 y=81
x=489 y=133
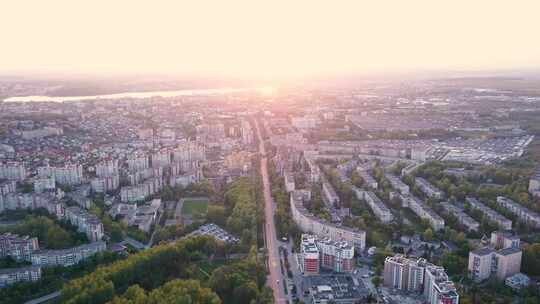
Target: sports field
x=194 y=206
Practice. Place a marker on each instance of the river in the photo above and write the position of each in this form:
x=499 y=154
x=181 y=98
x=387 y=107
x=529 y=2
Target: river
x=129 y=95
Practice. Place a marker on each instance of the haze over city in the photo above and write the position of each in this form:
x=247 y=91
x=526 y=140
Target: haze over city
x=288 y=152
x=273 y=39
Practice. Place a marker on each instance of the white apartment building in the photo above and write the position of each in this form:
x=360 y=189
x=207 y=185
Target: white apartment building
x=312 y=224
x=462 y=217
x=369 y=181
x=70 y=174
x=85 y=222
x=501 y=259
x=107 y=168
x=9 y=276
x=398 y=184
x=137 y=163
x=105 y=184
x=377 y=206
x=424 y=212
x=526 y=215
x=419 y=276
x=428 y=189
x=44 y=184
x=67 y=257
x=13 y=171
x=491 y=214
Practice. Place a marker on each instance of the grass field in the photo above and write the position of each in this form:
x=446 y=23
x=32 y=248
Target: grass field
x=191 y=207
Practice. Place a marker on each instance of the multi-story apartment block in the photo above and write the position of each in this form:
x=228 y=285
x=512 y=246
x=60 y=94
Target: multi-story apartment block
x=137 y=163
x=329 y=195
x=105 y=184
x=70 y=174
x=161 y=159
x=377 y=206
x=417 y=275
x=491 y=214
x=337 y=256
x=428 y=189
x=369 y=181
x=314 y=170
x=13 y=171
x=462 y=217
x=534 y=183
x=501 y=259
x=67 y=257
x=17 y=247
x=438 y=289
x=289 y=182
x=85 y=222
x=44 y=184
x=398 y=184
x=10 y=276
x=525 y=215
x=308 y=259
x=307 y=222
x=107 y=168
x=424 y=212
x=189 y=151
x=8 y=187
x=40 y=133
x=246 y=132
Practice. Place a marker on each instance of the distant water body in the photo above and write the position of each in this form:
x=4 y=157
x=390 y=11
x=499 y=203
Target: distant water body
x=137 y=95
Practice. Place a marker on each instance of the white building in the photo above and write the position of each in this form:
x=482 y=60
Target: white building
x=67 y=257
x=312 y=224
x=85 y=222
x=462 y=217
x=525 y=215
x=70 y=174
x=13 y=171
x=377 y=206
x=428 y=189
x=491 y=214
x=398 y=184
x=424 y=212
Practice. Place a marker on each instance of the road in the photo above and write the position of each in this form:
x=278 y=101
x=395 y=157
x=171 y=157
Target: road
x=275 y=279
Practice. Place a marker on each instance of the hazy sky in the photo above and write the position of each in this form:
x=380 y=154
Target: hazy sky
x=267 y=38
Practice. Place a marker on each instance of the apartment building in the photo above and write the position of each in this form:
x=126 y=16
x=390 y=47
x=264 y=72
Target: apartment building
x=534 y=183
x=398 y=184
x=9 y=276
x=501 y=259
x=491 y=214
x=428 y=189
x=462 y=217
x=44 y=184
x=107 y=168
x=419 y=276
x=8 y=187
x=424 y=212
x=289 y=181
x=13 y=171
x=329 y=195
x=438 y=289
x=369 y=181
x=67 y=257
x=308 y=259
x=69 y=174
x=137 y=163
x=105 y=184
x=19 y=248
x=524 y=214
x=377 y=206
x=309 y=223
x=337 y=256
x=85 y=222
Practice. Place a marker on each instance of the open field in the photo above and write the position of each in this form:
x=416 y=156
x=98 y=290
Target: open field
x=194 y=206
